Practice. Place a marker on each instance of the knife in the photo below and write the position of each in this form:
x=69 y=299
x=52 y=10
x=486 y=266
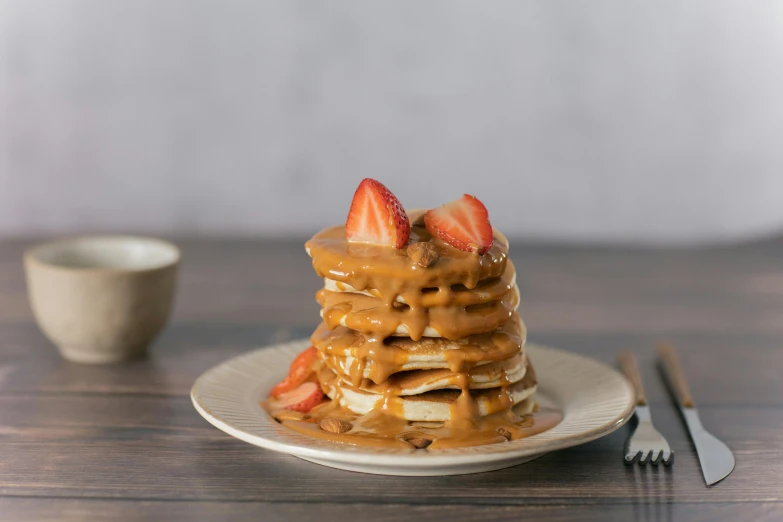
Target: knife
x=715 y=457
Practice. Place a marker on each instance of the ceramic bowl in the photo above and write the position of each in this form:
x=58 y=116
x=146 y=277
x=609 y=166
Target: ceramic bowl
x=102 y=299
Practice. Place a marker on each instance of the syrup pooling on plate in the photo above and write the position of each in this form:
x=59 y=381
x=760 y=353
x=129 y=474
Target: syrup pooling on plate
x=380 y=430
x=418 y=332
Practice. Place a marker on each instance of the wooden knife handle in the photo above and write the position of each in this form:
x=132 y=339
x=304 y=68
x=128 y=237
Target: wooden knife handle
x=631 y=370
x=673 y=368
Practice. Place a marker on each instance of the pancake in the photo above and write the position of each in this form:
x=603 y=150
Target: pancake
x=526 y=407
x=485 y=290
x=438 y=405
x=391 y=272
x=369 y=314
x=377 y=359
x=413 y=382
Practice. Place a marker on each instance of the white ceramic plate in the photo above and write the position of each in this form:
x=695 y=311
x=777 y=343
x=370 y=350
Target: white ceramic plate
x=594 y=398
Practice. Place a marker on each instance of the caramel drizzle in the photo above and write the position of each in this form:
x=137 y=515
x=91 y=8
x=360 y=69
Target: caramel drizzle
x=378 y=358
x=390 y=272
x=431 y=379
x=368 y=314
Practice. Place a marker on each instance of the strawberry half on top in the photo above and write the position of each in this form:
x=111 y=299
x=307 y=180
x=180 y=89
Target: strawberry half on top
x=463 y=224
x=376 y=216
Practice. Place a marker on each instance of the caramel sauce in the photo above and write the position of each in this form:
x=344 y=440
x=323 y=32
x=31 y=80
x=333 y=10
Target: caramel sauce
x=368 y=314
x=402 y=345
x=379 y=358
x=391 y=273
x=381 y=430
x=408 y=381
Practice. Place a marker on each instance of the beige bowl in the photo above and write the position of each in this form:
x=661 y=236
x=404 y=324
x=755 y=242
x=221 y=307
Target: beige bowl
x=102 y=299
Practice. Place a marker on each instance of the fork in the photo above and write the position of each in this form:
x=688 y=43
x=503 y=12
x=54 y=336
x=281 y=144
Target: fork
x=645 y=443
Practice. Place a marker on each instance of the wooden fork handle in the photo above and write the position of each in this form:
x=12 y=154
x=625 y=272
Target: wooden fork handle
x=631 y=370
x=675 y=375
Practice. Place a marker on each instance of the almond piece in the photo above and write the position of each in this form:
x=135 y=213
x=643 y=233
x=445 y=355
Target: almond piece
x=332 y=425
x=503 y=432
x=423 y=254
x=290 y=415
x=419 y=442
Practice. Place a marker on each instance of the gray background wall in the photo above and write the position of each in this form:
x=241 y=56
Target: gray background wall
x=629 y=121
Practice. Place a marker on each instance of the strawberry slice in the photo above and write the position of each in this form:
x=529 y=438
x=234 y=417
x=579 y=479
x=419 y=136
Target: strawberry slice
x=302 y=398
x=376 y=216
x=301 y=369
x=463 y=224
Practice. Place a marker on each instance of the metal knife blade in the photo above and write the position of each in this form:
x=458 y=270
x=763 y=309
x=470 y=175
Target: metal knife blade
x=715 y=458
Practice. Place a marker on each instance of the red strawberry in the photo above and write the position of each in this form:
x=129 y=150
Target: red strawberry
x=376 y=216
x=300 y=370
x=463 y=224
x=303 y=398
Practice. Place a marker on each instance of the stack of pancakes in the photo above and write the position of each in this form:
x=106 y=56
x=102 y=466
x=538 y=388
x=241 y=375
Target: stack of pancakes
x=434 y=341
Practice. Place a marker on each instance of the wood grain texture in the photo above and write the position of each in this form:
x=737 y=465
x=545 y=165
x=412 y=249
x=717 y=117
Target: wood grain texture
x=78 y=510
x=122 y=442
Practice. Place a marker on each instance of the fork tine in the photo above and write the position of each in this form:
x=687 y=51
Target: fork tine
x=668 y=458
x=657 y=455
x=644 y=444
x=631 y=458
x=645 y=457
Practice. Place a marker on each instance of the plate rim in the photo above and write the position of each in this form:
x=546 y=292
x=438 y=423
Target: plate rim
x=401 y=459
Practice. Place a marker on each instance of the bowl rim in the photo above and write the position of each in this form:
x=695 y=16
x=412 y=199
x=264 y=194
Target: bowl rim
x=31 y=254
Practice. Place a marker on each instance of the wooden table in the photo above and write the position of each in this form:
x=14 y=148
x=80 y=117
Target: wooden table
x=124 y=443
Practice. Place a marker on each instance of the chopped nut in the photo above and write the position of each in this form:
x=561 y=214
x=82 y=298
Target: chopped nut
x=424 y=254
x=403 y=307
x=290 y=415
x=333 y=425
x=419 y=442
x=503 y=432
